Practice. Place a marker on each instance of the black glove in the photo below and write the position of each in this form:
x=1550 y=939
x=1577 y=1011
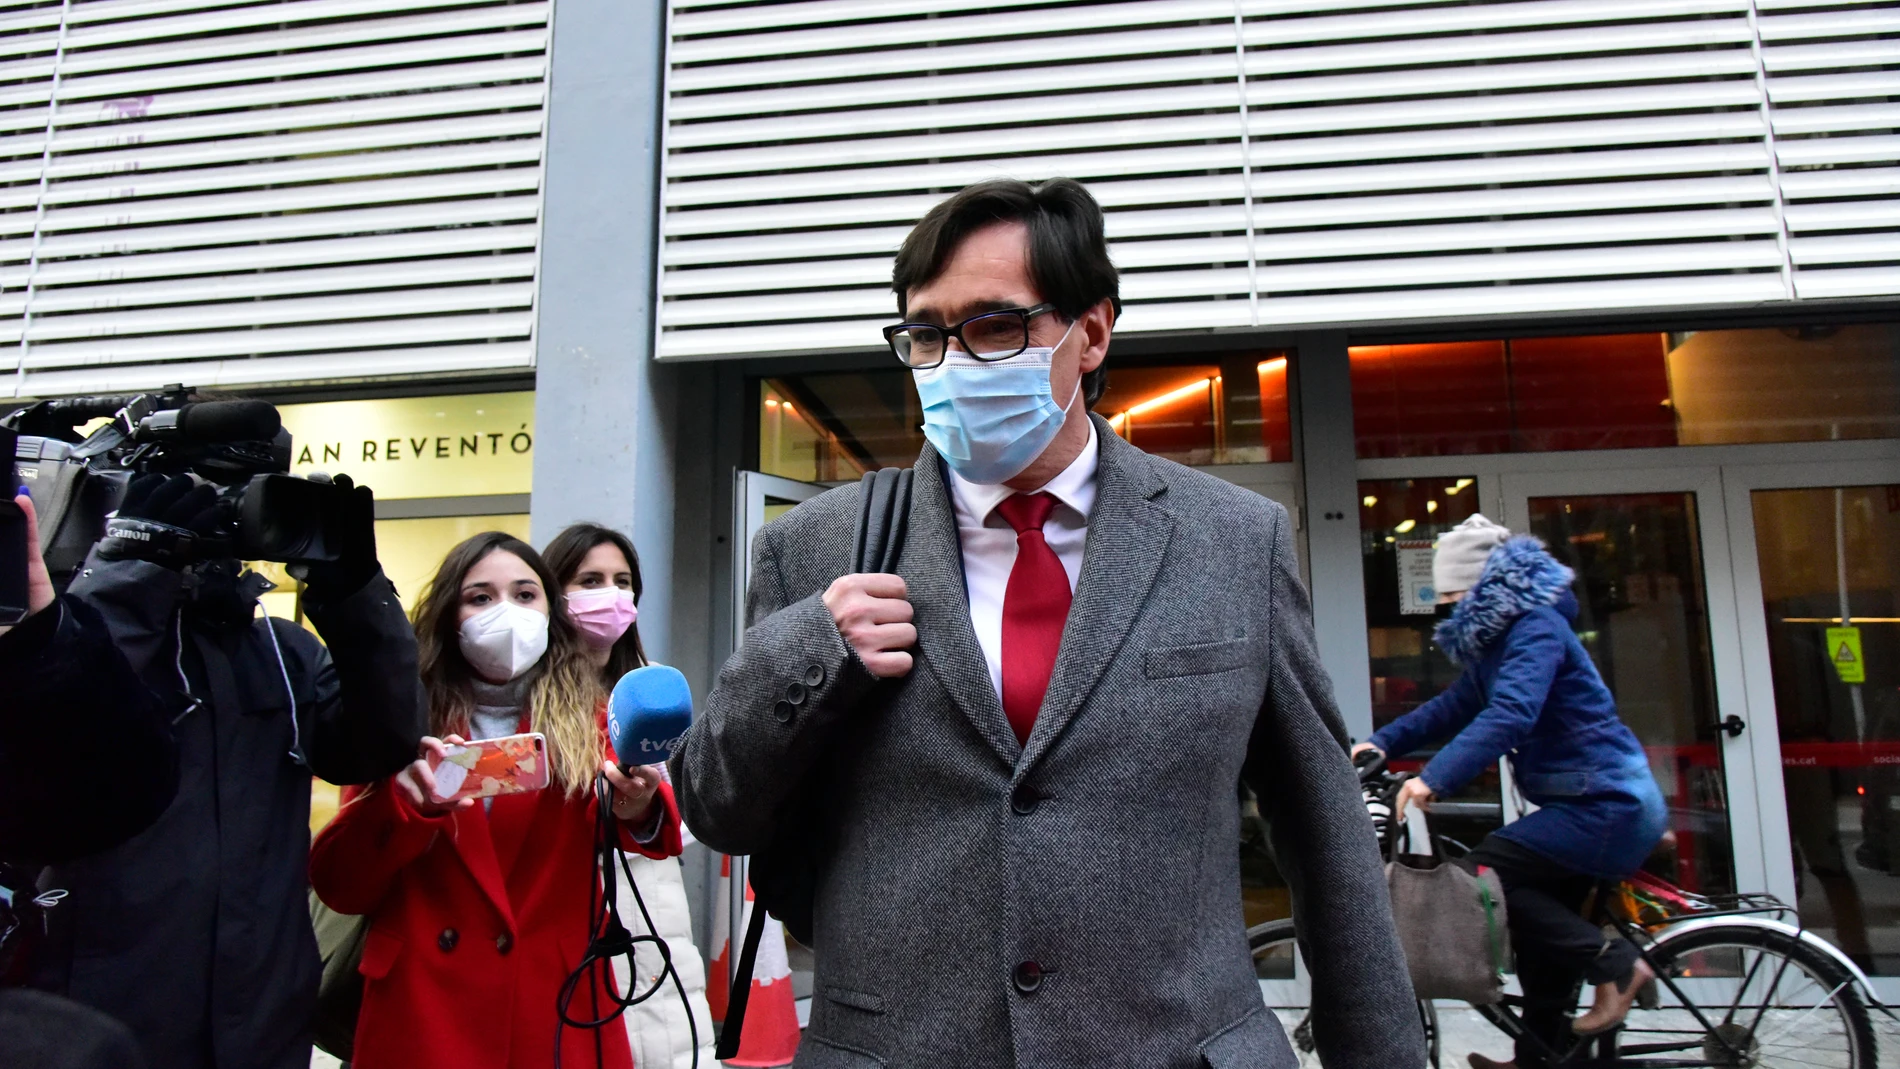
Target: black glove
x=170 y=522
x=354 y=525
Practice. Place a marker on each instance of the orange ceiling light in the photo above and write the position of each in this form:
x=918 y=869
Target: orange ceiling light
x=1179 y=394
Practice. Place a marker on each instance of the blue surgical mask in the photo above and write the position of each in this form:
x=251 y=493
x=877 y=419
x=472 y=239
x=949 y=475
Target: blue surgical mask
x=992 y=420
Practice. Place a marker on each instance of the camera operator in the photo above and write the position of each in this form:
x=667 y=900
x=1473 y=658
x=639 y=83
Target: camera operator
x=196 y=933
x=67 y=687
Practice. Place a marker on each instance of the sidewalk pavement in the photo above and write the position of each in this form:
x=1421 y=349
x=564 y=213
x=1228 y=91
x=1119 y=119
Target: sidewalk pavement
x=1463 y=1032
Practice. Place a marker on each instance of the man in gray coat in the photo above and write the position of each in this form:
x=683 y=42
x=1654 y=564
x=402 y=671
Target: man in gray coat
x=1029 y=737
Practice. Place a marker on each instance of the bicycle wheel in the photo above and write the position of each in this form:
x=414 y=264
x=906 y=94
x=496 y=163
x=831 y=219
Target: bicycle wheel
x=1274 y=952
x=1274 y=949
x=1755 y=997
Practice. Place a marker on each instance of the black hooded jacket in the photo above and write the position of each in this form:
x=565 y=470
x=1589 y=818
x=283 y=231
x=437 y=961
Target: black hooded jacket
x=85 y=746
x=196 y=932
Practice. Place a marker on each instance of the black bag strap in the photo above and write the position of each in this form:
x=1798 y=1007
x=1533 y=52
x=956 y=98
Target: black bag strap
x=883 y=520
x=734 y=1028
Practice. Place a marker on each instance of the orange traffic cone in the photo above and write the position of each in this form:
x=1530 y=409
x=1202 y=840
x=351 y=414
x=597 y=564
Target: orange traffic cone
x=771 y=1014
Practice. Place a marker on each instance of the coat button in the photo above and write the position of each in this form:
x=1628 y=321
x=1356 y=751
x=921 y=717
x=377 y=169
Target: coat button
x=447 y=940
x=1024 y=801
x=782 y=712
x=795 y=693
x=815 y=675
x=503 y=943
x=1028 y=977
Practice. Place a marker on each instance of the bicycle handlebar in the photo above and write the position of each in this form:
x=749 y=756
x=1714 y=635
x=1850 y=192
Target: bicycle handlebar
x=1370 y=764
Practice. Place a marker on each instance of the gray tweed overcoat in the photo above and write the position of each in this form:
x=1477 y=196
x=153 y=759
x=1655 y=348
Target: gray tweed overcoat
x=1072 y=902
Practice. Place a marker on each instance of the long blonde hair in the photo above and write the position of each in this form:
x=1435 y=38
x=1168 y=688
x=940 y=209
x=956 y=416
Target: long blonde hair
x=564 y=693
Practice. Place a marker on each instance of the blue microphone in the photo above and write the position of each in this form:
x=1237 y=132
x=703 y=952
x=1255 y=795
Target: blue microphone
x=649 y=712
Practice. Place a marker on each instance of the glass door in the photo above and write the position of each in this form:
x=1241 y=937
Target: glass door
x=757 y=499
x=1400 y=520
x=1821 y=608
x=1655 y=611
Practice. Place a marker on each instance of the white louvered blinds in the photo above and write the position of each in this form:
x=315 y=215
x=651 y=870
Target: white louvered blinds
x=803 y=140
x=222 y=193
x=1415 y=160
x=1283 y=162
x=1833 y=74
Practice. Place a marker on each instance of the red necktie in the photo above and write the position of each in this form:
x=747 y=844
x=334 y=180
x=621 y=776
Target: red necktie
x=1035 y=606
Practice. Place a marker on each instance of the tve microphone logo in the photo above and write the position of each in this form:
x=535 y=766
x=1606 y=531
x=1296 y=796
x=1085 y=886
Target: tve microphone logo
x=648 y=714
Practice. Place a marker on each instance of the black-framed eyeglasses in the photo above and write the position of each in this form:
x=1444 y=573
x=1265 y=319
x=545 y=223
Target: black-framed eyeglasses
x=988 y=336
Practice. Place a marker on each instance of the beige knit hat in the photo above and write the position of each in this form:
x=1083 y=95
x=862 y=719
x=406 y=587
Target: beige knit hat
x=1462 y=552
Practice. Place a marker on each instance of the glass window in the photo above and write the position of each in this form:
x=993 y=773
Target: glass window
x=411 y=550
x=1794 y=384
x=1643 y=616
x=1430 y=400
x=1399 y=520
x=1232 y=412
x=1830 y=579
x=833 y=427
x=439 y=446
x=1627 y=391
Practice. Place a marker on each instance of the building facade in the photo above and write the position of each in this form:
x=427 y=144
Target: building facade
x=1622 y=274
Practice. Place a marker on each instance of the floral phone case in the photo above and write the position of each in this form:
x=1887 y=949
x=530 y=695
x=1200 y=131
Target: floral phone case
x=512 y=764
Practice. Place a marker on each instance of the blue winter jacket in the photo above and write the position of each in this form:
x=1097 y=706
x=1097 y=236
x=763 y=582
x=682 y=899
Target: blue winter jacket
x=1531 y=692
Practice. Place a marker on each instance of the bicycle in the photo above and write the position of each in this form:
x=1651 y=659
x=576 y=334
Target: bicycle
x=1736 y=986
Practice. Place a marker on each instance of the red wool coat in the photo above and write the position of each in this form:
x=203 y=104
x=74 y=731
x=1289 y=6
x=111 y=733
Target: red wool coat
x=476 y=920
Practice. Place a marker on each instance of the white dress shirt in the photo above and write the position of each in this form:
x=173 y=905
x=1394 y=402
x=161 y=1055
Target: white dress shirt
x=989 y=543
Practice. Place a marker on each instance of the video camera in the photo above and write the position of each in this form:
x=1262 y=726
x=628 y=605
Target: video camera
x=240 y=446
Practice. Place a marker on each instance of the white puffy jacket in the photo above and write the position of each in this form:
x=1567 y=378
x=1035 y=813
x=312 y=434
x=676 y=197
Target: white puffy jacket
x=658 y=1026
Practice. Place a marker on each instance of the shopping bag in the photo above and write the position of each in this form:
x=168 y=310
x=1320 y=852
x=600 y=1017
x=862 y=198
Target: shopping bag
x=1451 y=923
x=340 y=990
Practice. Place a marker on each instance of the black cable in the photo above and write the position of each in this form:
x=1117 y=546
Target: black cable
x=608 y=938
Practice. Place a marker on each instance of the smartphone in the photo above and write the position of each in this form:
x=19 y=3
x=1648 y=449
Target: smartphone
x=512 y=764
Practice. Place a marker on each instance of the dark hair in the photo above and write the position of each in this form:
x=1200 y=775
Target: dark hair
x=1068 y=255
x=564 y=555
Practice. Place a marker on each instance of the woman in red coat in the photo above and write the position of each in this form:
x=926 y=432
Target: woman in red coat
x=479 y=910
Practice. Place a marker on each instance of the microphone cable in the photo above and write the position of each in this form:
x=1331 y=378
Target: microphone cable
x=608 y=938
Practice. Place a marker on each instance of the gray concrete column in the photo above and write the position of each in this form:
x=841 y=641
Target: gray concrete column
x=604 y=410
x=1322 y=389
x=621 y=439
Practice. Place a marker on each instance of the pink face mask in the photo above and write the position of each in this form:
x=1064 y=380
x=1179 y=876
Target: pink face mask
x=603 y=615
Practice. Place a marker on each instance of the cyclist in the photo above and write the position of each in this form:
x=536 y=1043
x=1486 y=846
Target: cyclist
x=1530 y=691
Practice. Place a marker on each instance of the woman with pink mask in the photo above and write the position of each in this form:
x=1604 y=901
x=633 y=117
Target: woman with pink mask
x=599 y=571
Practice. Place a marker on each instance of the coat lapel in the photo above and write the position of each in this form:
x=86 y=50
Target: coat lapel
x=1127 y=540
x=510 y=820
x=512 y=815
x=477 y=850
x=931 y=563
